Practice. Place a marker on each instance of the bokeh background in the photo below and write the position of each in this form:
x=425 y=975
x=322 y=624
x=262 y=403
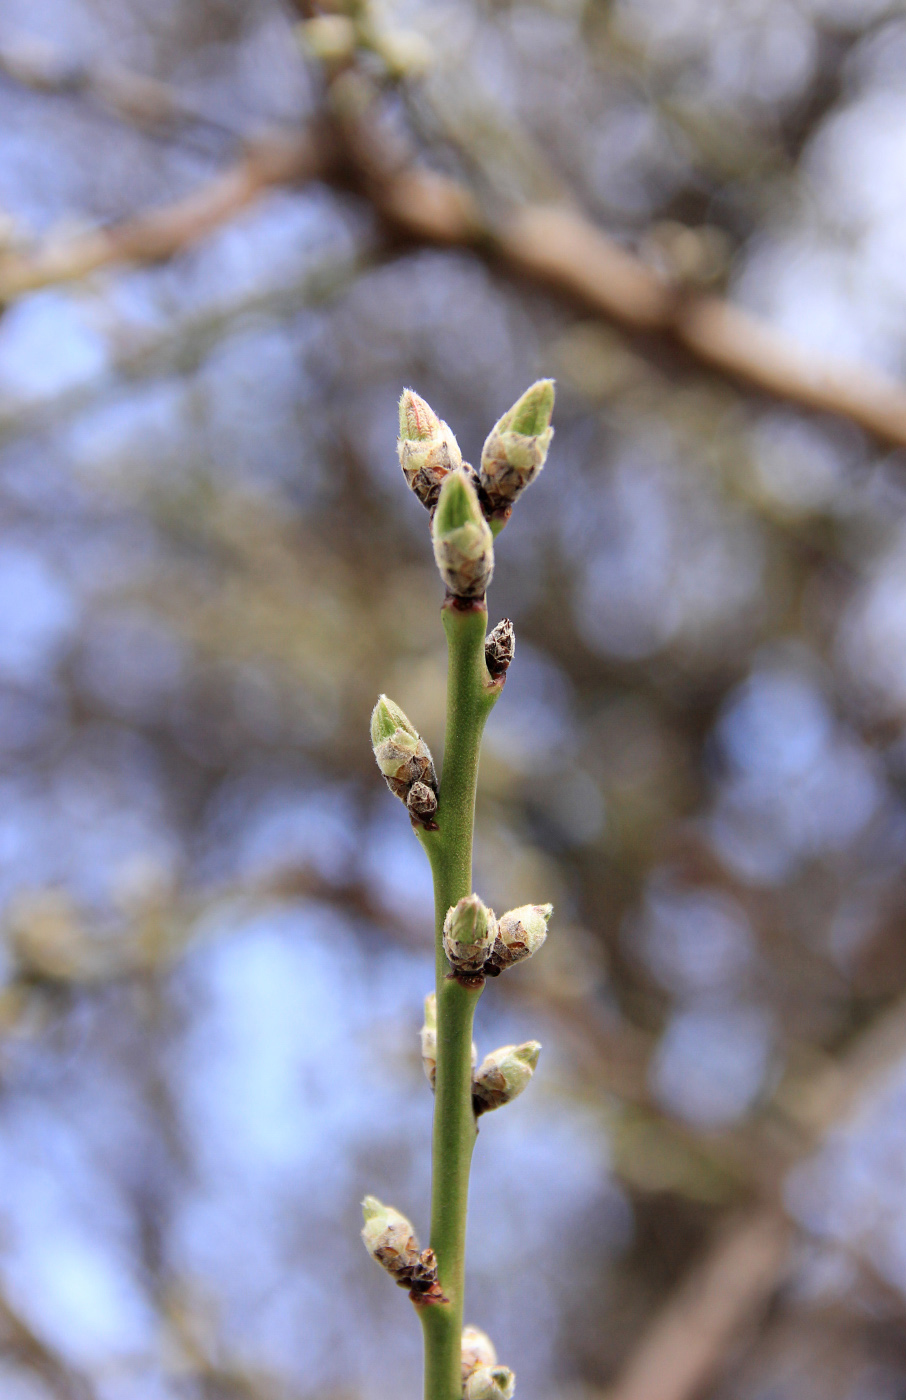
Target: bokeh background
x=231 y=232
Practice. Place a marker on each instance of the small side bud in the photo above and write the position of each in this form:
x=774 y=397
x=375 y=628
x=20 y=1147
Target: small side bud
x=470 y=930
x=517 y=446
x=490 y=1383
x=520 y=933
x=390 y=1239
x=428 y=451
x=463 y=543
x=428 y=1035
x=422 y=803
x=477 y=1350
x=403 y=758
x=499 y=648
x=502 y=1075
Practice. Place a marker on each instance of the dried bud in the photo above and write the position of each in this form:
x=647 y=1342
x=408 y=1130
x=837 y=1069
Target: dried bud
x=503 y=1075
x=403 y=758
x=428 y=1035
x=477 y=1350
x=490 y=1383
x=390 y=1239
x=499 y=648
x=463 y=543
x=422 y=803
x=428 y=451
x=520 y=933
x=470 y=929
x=517 y=445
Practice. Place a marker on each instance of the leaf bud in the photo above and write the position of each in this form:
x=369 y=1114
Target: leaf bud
x=502 y=1075
x=386 y=719
x=499 y=648
x=428 y=451
x=520 y=933
x=428 y=1035
x=422 y=803
x=477 y=1350
x=390 y=1239
x=470 y=929
x=490 y=1383
x=517 y=445
x=403 y=758
x=463 y=543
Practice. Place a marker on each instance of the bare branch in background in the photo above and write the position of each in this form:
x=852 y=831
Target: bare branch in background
x=160 y=233
x=687 y=1342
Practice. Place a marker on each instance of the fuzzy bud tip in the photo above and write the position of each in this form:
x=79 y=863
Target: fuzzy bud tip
x=490 y=1383
x=504 y=1074
x=517 y=446
x=520 y=933
x=428 y=451
x=463 y=543
x=477 y=1350
x=386 y=719
x=470 y=931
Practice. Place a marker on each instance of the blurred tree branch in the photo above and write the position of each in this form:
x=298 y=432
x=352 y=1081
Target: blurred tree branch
x=556 y=246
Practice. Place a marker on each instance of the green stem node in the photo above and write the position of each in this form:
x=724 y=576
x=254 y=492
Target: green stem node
x=470 y=698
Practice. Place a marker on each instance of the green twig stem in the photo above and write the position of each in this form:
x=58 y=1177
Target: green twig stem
x=471 y=694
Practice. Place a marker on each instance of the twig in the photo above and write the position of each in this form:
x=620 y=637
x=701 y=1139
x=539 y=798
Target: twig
x=562 y=249
x=160 y=233
x=147 y=102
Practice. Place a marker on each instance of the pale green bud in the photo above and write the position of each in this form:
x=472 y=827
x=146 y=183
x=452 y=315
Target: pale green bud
x=500 y=648
x=517 y=445
x=490 y=1383
x=428 y=1034
x=428 y=451
x=470 y=929
x=503 y=1075
x=403 y=758
x=390 y=1239
x=386 y=719
x=463 y=543
x=520 y=933
x=477 y=1350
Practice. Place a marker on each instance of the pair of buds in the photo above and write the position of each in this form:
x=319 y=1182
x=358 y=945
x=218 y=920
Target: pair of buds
x=501 y=1076
x=461 y=500
x=477 y=943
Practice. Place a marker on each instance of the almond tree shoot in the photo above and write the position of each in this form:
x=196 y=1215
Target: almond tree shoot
x=468 y=509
